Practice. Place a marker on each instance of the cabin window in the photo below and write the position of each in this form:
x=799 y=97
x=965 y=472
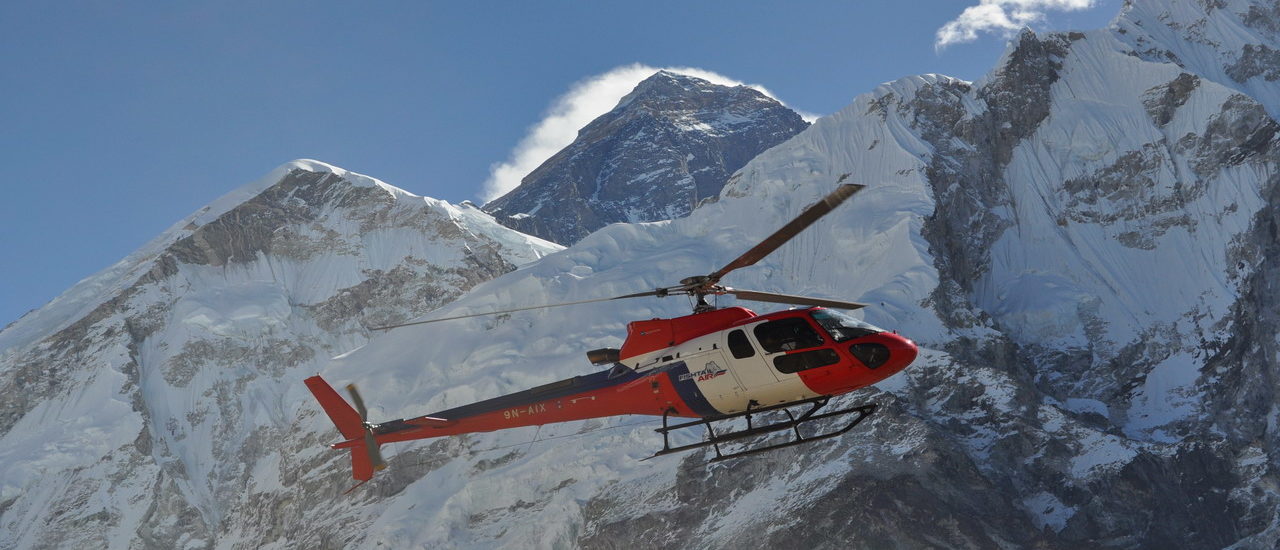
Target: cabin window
x=786 y=335
x=842 y=327
x=740 y=346
x=871 y=354
x=812 y=359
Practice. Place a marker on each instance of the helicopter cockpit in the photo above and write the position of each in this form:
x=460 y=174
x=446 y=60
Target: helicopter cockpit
x=804 y=348
x=841 y=326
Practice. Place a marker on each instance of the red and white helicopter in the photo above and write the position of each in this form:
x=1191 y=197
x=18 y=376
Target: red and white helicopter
x=713 y=365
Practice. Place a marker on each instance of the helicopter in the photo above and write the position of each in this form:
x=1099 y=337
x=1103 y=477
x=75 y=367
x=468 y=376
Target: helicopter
x=698 y=371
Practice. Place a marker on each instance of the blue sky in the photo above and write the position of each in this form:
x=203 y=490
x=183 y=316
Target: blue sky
x=120 y=118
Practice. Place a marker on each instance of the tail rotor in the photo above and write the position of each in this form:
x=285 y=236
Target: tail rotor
x=354 y=425
x=370 y=443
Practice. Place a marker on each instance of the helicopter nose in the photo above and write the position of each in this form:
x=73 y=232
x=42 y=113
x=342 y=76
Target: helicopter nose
x=902 y=352
x=886 y=353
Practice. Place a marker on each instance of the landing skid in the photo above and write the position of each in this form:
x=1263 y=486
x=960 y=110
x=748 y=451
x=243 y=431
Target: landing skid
x=792 y=423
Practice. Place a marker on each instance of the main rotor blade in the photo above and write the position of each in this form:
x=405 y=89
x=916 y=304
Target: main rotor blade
x=359 y=403
x=656 y=292
x=780 y=237
x=791 y=299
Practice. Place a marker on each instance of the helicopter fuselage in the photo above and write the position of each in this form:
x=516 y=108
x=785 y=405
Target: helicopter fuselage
x=702 y=365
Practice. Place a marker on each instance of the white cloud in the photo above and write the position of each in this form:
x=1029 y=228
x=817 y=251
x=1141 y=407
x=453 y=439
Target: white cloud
x=1004 y=16
x=585 y=101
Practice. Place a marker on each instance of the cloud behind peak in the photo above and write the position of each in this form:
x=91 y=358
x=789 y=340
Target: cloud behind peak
x=1000 y=16
x=585 y=101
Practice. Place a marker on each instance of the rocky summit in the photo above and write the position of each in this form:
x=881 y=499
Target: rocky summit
x=670 y=143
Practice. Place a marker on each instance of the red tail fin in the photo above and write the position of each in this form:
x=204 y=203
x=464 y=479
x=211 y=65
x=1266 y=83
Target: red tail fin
x=345 y=417
x=348 y=422
x=361 y=467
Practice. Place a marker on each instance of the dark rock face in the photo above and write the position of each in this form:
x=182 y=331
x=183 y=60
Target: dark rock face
x=972 y=152
x=1256 y=61
x=1162 y=102
x=670 y=143
x=1248 y=359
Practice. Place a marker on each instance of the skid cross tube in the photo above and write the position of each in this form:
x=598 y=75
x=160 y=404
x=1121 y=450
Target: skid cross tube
x=793 y=423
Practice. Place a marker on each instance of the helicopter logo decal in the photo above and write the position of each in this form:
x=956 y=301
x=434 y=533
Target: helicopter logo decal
x=712 y=370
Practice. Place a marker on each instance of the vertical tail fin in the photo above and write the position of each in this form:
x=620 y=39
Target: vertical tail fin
x=342 y=415
x=361 y=465
x=348 y=422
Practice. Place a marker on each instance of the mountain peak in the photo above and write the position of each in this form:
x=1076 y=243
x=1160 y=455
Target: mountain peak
x=665 y=86
x=671 y=142
x=280 y=175
x=665 y=77
x=300 y=209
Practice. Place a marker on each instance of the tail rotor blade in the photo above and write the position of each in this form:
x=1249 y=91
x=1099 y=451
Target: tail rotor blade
x=359 y=403
x=371 y=447
x=370 y=443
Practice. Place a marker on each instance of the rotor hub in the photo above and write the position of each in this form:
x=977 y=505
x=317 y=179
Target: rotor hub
x=696 y=281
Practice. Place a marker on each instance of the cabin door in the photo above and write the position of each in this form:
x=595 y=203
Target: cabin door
x=749 y=366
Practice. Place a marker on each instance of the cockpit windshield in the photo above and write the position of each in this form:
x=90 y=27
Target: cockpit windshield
x=841 y=326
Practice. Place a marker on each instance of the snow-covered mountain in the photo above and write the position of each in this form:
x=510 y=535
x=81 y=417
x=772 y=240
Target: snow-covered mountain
x=141 y=403
x=671 y=142
x=1084 y=242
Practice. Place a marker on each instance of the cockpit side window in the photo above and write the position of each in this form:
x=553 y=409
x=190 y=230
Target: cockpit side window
x=787 y=335
x=739 y=345
x=805 y=360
